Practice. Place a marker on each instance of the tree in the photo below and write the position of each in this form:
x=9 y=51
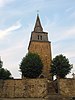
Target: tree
x=31 y=66
x=1 y=63
x=4 y=73
x=60 y=66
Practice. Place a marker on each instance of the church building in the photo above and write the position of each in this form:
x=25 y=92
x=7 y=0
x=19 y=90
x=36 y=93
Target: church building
x=42 y=88
x=40 y=44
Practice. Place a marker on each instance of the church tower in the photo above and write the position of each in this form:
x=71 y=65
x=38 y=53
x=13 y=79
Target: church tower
x=39 y=44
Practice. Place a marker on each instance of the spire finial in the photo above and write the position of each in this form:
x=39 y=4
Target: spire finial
x=37 y=12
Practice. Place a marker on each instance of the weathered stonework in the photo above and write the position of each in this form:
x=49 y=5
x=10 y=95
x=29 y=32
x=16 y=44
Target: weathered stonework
x=43 y=50
x=39 y=44
x=67 y=87
x=38 y=88
x=22 y=88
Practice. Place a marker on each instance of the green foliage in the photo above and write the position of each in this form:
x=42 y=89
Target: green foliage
x=4 y=73
x=31 y=66
x=1 y=63
x=60 y=66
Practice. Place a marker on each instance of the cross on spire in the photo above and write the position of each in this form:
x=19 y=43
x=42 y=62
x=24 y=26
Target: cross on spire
x=37 y=12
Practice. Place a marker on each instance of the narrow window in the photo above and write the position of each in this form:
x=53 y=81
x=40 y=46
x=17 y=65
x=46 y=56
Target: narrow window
x=38 y=37
x=41 y=37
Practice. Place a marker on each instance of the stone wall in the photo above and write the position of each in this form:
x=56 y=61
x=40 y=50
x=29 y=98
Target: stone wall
x=37 y=88
x=67 y=87
x=23 y=88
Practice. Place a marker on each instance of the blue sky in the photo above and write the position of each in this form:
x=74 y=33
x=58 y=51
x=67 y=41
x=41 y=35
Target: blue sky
x=17 y=20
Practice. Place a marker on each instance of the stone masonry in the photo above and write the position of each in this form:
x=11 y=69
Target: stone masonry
x=39 y=44
x=22 y=88
x=41 y=89
x=67 y=87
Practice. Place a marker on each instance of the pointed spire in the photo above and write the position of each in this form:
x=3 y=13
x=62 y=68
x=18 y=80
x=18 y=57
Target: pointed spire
x=38 y=27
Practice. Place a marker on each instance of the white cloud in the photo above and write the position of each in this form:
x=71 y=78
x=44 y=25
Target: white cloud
x=71 y=12
x=70 y=54
x=61 y=33
x=5 y=2
x=70 y=32
x=12 y=56
x=7 y=31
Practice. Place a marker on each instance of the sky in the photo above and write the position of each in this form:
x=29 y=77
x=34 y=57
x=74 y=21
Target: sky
x=17 y=20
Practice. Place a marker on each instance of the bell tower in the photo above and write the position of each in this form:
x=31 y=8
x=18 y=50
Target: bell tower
x=39 y=44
